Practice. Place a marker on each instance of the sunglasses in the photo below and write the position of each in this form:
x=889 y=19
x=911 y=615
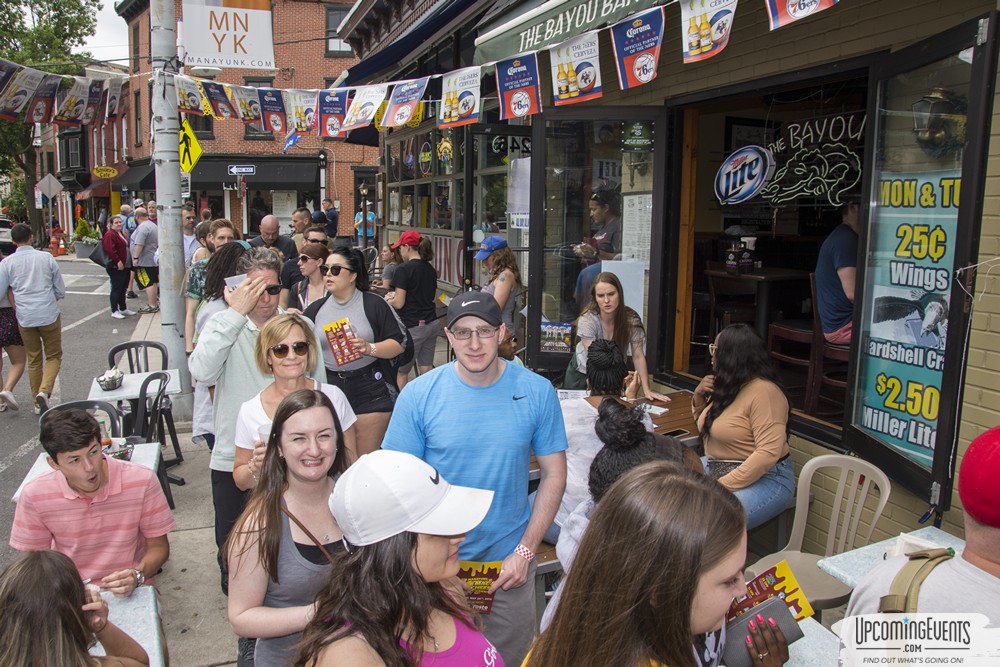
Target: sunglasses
x=300 y=348
x=334 y=270
x=273 y=290
x=315 y=240
x=304 y=258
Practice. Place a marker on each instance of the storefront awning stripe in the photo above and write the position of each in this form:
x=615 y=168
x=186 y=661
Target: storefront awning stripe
x=402 y=51
x=551 y=23
x=137 y=178
x=99 y=188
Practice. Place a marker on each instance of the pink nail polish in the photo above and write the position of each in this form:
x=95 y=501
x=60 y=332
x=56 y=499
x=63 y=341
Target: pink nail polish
x=771 y=621
x=752 y=626
x=760 y=619
x=749 y=641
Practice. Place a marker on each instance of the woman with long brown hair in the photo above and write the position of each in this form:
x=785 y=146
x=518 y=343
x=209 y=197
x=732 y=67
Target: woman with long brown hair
x=48 y=618
x=607 y=316
x=504 y=281
x=279 y=551
x=676 y=542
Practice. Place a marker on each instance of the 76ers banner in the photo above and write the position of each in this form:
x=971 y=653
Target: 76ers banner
x=519 y=87
x=332 y=109
x=404 y=101
x=783 y=12
x=460 y=98
x=637 y=47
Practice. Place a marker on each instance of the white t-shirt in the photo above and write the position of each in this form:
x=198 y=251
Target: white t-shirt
x=252 y=415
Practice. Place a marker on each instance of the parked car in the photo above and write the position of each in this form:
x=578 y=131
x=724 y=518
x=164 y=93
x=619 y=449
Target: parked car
x=5 y=244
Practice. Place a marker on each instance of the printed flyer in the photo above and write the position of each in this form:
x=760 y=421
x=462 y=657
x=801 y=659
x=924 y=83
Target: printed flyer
x=94 y=94
x=637 y=43
x=332 y=109
x=705 y=27
x=460 y=97
x=518 y=86
x=783 y=12
x=404 y=101
x=272 y=107
x=188 y=95
x=479 y=577
x=576 y=71
x=777 y=581
x=363 y=106
x=904 y=327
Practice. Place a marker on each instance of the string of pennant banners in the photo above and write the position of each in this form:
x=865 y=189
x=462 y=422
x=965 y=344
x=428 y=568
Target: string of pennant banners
x=574 y=64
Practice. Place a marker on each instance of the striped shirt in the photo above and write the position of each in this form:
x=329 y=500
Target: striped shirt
x=101 y=535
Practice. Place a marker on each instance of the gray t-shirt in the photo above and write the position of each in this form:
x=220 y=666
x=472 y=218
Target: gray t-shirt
x=354 y=310
x=589 y=327
x=146 y=236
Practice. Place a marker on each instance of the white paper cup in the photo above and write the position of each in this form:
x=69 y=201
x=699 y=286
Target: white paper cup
x=264 y=432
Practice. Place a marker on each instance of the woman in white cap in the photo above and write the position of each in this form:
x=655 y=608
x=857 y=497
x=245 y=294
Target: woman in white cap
x=395 y=599
x=505 y=277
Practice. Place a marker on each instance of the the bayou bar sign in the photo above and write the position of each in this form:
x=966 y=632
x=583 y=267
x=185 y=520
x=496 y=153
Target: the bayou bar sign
x=904 y=328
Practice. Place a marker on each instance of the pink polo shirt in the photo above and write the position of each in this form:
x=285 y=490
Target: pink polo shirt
x=101 y=535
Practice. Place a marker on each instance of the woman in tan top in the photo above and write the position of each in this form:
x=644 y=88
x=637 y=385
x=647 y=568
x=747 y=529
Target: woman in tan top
x=742 y=412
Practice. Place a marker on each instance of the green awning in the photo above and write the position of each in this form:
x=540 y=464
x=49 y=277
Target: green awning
x=530 y=26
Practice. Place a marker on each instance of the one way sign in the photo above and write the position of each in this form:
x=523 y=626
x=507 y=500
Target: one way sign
x=242 y=170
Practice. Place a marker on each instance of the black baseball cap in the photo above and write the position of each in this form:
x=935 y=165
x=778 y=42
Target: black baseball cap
x=479 y=304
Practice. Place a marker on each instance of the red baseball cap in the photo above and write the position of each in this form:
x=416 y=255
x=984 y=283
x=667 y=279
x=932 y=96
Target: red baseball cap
x=409 y=237
x=977 y=479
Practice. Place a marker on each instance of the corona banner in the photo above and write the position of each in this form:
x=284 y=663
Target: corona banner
x=783 y=12
x=519 y=87
x=705 y=27
x=576 y=71
x=637 y=43
x=460 y=97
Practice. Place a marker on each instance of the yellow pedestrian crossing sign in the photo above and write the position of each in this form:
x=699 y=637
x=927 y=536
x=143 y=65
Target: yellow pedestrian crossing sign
x=189 y=147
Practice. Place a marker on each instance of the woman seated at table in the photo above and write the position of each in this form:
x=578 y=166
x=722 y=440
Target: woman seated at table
x=312 y=285
x=280 y=550
x=742 y=413
x=391 y=259
x=394 y=598
x=285 y=349
x=664 y=556
x=48 y=617
x=607 y=317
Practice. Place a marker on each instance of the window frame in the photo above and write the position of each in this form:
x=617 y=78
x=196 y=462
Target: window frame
x=137 y=104
x=136 y=56
x=346 y=51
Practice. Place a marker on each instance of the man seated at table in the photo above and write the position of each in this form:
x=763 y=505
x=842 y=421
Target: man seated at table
x=836 y=270
x=109 y=516
x=966 y=583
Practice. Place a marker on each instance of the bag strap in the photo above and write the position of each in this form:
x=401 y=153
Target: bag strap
x=905 y=587
x=306 y=531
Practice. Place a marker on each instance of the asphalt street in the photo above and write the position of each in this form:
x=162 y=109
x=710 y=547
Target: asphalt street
x=89 y=331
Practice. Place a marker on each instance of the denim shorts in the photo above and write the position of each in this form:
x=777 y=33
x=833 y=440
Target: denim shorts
x=365 y=388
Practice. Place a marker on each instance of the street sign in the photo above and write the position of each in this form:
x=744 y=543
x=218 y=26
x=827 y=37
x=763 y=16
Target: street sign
x=50 y=186
x=242 y=170
x=190 y=149
x=185 y=185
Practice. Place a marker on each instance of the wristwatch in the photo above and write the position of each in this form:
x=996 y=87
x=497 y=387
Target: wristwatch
x=140 y=578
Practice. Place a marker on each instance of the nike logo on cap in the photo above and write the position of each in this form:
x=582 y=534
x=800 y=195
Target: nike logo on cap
x=437 y=476
x=467 y=303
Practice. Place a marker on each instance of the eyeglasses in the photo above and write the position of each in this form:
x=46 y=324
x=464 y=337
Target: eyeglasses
x=300 y=348
x=712 y=347
x=273 y=290
x=334 y=270
x=481 y=332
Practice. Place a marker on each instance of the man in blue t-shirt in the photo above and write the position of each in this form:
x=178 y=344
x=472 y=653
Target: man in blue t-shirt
x=511 y=413
x=836 y=270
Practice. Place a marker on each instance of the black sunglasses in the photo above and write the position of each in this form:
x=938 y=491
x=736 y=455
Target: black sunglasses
x=300 y=348
x=335 y=269
x=273 y=290
x=315 y=240
x=304 y=258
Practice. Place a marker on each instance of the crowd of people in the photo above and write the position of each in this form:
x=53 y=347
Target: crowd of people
x=349 y=498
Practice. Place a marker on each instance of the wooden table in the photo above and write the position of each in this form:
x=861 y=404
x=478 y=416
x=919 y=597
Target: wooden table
x=138 y=616
x=677 y=421
x=145 y=454
x=762 y=278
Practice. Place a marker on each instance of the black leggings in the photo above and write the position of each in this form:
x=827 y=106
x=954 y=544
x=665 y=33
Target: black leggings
x=119 y=283
x=229 y=502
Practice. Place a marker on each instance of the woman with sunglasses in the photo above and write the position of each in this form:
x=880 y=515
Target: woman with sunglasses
x=312 y=285
x=742 y=412
x=377 y=338
x=285 y=349
x=281 y=548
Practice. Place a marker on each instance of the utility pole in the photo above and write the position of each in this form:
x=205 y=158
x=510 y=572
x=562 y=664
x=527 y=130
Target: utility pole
x=166 y=158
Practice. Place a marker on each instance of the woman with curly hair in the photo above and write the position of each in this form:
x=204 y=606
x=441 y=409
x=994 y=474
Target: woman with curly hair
x=504 y=281
x=394 y=599
x=48 y=617
x=742 y=412
x=279 y=551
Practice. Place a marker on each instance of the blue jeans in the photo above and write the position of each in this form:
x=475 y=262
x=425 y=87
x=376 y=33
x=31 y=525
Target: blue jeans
x=768 y=496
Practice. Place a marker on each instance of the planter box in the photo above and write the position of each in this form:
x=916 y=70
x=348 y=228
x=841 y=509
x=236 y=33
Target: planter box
x=83 y=250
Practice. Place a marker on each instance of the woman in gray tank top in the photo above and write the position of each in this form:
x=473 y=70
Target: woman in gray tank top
x=279 y=552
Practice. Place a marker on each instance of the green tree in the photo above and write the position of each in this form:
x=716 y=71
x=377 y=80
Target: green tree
x=43 y=35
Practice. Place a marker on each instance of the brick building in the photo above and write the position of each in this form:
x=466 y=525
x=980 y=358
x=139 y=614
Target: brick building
x=306 y=57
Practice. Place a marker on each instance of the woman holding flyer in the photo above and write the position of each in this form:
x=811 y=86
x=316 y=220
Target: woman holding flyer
x=285 y=349
x=363 y=335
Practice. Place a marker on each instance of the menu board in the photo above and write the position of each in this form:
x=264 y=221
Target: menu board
x=904 y=326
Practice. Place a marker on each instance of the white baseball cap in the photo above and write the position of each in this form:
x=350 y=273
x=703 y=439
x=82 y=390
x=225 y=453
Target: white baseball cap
x=386 y=493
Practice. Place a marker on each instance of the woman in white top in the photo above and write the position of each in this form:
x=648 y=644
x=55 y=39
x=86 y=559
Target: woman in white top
x=285 y=349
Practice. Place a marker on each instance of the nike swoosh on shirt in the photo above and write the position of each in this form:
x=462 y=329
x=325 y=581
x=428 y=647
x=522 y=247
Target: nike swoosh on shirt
x=518 y=398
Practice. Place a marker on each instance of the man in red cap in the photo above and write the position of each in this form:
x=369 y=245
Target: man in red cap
x=969 y=582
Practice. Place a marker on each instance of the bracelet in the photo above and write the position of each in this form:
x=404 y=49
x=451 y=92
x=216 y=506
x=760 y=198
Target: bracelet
x=371 y=349
x=525 y=553
x=252 y=473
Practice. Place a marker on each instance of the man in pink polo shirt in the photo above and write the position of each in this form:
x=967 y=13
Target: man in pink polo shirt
x=109 y=516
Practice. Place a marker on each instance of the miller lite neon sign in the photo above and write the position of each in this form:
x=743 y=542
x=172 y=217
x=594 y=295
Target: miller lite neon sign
x=743 y=174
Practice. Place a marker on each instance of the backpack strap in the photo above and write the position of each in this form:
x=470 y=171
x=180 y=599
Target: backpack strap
x=905 y=588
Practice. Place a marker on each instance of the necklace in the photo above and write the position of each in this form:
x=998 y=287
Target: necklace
x=435 y=643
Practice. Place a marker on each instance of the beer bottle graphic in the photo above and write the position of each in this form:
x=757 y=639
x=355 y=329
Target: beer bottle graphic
x=693 y=36
x=574 y=86
x=562 y=82
x=705 y=33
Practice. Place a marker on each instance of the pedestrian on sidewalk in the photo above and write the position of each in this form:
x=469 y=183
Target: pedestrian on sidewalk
x=119 y=269
x=144 y=244
x=36 y=284
x=11 y=343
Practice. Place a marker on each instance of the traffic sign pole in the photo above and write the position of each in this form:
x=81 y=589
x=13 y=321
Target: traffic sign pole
x=166 y=158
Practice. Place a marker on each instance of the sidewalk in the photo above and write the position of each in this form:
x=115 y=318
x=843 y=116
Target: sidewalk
x=191 y=602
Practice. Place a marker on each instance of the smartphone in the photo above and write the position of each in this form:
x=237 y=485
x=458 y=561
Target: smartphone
x=677 y=432
x=232 y=282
